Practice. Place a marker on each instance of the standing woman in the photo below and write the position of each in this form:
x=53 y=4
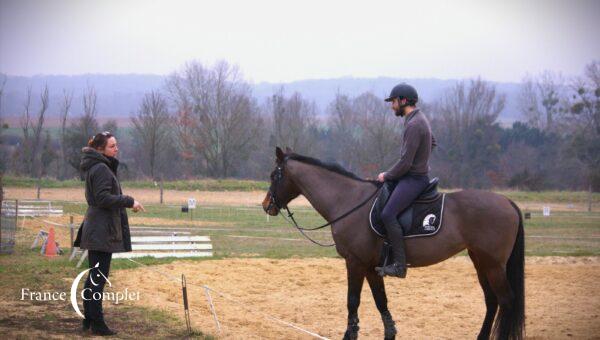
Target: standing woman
x=105 y=228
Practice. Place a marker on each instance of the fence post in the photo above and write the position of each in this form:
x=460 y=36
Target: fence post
x=161 y=189
x=186 y=308
x=38 y=185
x=71 y=228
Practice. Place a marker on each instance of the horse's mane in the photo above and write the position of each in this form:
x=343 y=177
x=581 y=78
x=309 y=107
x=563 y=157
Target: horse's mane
x=334 y=167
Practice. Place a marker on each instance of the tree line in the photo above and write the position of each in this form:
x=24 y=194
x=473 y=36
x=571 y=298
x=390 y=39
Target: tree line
x=204 y=122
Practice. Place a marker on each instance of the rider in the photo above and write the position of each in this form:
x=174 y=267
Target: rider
x=411 y=171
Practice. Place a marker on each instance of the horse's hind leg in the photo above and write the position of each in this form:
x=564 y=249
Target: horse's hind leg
x=505 y=320
x=356 y=277
x=491 y=302
x=378 y=289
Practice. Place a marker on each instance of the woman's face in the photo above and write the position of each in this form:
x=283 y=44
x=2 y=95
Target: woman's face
x=111 y=149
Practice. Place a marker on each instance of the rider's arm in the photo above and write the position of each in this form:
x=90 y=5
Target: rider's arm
x=412 y=139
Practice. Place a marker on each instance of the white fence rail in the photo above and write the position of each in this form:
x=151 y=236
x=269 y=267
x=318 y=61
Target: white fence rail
x=168 y=246
x=32 y=208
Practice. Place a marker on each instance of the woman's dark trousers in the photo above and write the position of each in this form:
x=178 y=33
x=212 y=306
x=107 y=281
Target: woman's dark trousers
x=93 y=307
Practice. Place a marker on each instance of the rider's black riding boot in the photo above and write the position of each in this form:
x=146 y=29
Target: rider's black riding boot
x=396 y=236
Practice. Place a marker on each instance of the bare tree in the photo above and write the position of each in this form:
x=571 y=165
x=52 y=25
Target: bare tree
x=381 y=135
x=82 y=129
x=65 y=108
x=542 y=99
x=89 y=102
x=586 y=104
x=37 y=133
x=294 y=122
x=183 y=88
x=464 y=105
x=344 y=123
x=585 y=124
x=529 y=104
x=365 y=133
x=32 y=132
x=464 y=125
x=25 y=122
x=151 y=132
x=223 y=116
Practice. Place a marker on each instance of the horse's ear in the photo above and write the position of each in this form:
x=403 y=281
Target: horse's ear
x=288 y=150
x=279 y=154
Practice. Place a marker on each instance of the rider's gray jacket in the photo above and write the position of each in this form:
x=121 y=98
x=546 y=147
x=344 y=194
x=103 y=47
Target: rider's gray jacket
x=418 y=141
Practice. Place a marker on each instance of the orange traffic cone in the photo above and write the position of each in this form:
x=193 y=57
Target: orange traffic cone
x=51 y=244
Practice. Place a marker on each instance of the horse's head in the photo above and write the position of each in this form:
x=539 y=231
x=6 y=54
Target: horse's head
x=282 y=189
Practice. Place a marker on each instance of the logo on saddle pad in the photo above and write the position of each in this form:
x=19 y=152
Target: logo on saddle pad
x=428 y=222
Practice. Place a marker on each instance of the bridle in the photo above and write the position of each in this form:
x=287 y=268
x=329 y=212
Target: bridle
x=273 y=201
x=277 y=178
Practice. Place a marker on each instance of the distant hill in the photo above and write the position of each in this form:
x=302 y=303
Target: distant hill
x=119 y=95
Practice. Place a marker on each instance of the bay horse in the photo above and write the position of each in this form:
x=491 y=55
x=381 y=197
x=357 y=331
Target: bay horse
x=488 y=225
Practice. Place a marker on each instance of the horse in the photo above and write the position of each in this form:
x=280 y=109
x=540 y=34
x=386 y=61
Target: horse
x=488 y=225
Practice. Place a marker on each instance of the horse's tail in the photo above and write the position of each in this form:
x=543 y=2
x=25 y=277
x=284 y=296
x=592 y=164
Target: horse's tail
x=510 y=323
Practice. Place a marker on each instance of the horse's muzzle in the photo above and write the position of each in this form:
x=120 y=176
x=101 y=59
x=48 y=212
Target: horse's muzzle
x=269 y=207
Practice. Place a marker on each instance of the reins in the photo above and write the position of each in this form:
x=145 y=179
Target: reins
x=290 y=218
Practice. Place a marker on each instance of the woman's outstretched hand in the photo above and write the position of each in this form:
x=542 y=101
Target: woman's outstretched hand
x=381 y=177
x=137 y=206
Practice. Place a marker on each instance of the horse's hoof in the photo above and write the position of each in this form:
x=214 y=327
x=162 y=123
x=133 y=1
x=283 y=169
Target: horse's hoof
x=390 y=334
x=350 y=335
x=389 y=326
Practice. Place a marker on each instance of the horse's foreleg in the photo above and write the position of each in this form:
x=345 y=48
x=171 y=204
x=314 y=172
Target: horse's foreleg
x=378 y=289
x=356 y=277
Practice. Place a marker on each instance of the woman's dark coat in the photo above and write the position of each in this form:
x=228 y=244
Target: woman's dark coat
x=106 y=227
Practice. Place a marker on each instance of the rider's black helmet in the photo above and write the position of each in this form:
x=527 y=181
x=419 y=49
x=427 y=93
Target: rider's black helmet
x=404 y=91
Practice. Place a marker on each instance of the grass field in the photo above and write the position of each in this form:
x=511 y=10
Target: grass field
x=246 y=231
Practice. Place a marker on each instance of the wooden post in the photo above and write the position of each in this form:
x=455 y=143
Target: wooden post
x=161 y=189
x=38 y=185
x=185 y=304
x=72 y=232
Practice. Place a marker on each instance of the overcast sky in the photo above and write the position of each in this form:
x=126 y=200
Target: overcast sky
x=290 y=40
